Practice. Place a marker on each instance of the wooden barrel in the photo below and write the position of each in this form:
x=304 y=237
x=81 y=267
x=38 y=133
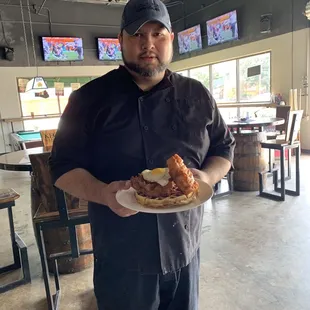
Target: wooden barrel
x=249 y=160
x=57 y=240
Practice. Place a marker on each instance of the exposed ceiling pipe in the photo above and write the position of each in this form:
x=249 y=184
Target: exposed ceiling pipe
x=63 y=24
x=202 y=9
x=121 y=2
x=41 y=7
x=36 y=11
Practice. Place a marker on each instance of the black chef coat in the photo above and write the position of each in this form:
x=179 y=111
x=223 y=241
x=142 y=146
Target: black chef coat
x=115 y=130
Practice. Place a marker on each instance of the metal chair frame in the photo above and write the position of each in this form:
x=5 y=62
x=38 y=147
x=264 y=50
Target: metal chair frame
x=20 y=253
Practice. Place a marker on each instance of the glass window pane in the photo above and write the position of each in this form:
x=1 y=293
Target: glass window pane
x=255 y=83
x=41 y=124
x=224 y=81
x=229 y=113
x=253 y=112
x=38 y=105
x=201 y=74
x=64 y=99
x=184 y=73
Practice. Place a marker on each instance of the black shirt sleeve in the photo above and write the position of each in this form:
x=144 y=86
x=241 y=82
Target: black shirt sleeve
x=70 y=147
x=222 y=142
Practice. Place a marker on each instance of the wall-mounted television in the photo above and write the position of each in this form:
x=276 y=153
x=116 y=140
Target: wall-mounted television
x=109 y=49
x=223 y=28
x=190 y=40
x=62 y=48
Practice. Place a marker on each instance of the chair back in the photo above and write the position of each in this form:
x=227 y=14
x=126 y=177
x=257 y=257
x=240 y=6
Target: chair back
x=44 y=184
x=294 y=126
x=48 y=137
x=283 y=111
x=52 y=198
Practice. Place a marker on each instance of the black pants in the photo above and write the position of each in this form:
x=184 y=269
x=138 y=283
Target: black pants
x=120 y=290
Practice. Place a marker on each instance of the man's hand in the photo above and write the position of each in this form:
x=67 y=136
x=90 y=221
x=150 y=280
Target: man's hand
x=201 y=175
x=213 y=170
x=110 y=200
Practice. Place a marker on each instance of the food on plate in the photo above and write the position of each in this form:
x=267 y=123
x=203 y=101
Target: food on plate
x=161 y=187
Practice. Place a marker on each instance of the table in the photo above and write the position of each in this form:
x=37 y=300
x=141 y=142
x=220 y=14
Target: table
x=259 y=122
x=25 y=139
x=249 y=158
x=19 y=161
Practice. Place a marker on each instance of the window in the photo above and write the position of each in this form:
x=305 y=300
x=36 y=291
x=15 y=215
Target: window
x=254 y=73
x=246 y=79
x=229 y=113
x=184 y=73
x=224 y=85
x=201 y=74
x=41 y=124
x=46 y=109
x=63 y=100
x=39 y=107
x=32 y=105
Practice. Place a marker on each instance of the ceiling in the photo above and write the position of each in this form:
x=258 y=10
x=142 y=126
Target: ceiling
x=114 y=2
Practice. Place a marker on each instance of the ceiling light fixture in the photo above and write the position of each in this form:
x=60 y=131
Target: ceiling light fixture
x=37 y=83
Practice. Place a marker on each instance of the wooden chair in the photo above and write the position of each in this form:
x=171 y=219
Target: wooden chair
x=279 y=132
x=282 y=145
x=56 y=210
x=48 y=137
x=20 y=254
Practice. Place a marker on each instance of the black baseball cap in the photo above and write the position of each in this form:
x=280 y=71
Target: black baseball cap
x=138 y=12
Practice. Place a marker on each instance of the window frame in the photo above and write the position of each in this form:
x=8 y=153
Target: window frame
x=238 y=84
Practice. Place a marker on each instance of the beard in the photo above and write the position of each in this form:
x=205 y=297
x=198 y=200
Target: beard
x=146 y=71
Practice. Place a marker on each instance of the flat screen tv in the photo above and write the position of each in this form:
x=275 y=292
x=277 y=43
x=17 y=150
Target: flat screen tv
x=62 y=48
x=190 y=40
x=109 y=49
x=223 y=28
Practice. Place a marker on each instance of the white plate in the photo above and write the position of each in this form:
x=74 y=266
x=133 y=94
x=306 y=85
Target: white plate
x=127 y=199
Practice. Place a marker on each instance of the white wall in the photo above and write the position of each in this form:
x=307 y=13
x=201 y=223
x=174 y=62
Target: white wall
x=288 y=65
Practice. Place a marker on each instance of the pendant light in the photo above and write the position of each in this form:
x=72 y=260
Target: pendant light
x=37 y=83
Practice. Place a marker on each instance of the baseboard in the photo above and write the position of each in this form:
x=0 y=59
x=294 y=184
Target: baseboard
x=305 y=151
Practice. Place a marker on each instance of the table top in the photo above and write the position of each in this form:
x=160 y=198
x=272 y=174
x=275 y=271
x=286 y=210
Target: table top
x=19 y=161
x=257 y=122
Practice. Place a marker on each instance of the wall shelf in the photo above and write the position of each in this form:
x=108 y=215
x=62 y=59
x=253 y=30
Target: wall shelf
x=26 y=118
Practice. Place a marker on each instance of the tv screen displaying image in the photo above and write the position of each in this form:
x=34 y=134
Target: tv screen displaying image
x=190 y=39
x=109 y=49
x=62 y=48
x=223 y=28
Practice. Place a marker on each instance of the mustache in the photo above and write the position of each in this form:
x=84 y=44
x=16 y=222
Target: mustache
x=148 y=55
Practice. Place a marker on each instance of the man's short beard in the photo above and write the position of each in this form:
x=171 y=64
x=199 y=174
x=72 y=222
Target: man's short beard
x=144 y=71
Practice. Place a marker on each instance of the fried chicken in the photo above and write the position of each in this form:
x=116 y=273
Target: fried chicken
x=181 y=175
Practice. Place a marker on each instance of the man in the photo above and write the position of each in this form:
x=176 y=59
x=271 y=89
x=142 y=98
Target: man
x=78 y=47
x=131 y=119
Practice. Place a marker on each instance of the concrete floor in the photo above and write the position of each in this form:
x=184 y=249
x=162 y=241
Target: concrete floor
x=255 y=254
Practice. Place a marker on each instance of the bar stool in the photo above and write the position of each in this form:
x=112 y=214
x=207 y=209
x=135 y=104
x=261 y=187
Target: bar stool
x=279 y=133
x=7 y=201
x=282 y=145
